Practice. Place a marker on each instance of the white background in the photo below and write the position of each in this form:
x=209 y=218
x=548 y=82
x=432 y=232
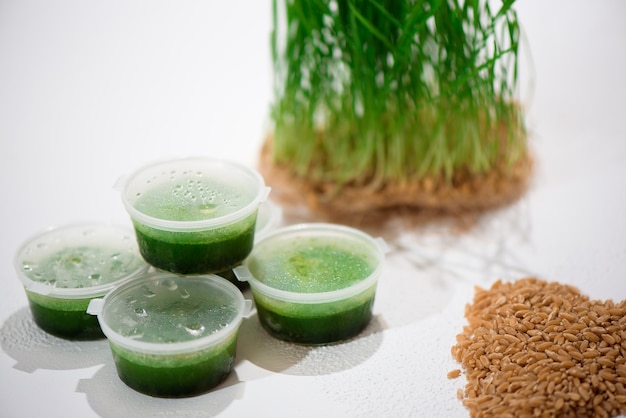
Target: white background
x=91 y=90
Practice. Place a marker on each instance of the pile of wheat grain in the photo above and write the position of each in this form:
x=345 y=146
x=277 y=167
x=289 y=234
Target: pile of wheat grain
x=535 y=348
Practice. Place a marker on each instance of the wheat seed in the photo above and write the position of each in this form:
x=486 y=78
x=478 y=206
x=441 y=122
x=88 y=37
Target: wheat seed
x=537 y=348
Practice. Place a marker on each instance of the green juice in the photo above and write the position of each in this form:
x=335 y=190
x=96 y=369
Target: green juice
x=305 y=265
x=213 y=248
x=196 y=252
x=63 y=277
x=66 y=318
x=173 y=335
x=316 y=324
x=178 y=375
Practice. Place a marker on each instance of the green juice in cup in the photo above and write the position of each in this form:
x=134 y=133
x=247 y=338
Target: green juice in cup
x=314 y=283
x=195 y=215
x=172 y=336
x=63 y=269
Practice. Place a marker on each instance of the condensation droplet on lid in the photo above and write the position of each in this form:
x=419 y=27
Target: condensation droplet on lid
x=147 y=292
x=94 y=276
x=140 y=312
x=169 y=284
x=195 y=329
x=183 y=293
x=135 y=334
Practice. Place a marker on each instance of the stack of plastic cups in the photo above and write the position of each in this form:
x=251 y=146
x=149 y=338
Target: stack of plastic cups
x=168 y=300
x=173 y=333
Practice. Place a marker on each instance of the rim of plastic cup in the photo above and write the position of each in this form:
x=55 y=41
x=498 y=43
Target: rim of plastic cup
x=174 y=226
x=213 y=282
x=75 y=292
x=378 y=248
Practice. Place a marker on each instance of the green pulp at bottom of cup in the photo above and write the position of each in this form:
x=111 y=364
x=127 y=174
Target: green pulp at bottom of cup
x=175 y=375
x=305 y=326
x=66 y=318
x=189 y=253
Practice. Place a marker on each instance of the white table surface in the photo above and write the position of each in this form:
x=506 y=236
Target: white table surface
x=91 y=90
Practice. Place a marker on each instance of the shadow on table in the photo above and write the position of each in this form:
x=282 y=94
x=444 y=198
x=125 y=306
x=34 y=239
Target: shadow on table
x=274 y=355
x=108 y=396
x=33 y=348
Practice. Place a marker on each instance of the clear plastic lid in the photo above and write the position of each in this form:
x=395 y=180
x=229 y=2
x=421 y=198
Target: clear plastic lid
x=79 y=261
x=191 y=194
x=313 y=263
x=163 y=313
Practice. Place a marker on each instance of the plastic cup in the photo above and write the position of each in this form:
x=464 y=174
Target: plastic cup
x=314 y=283
x=63 y=269
x=194 y=215
x=172 y=336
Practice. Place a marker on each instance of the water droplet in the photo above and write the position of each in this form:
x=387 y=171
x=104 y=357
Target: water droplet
x=42 y=245
x=139 y=311
x=135 y=334
x=169 y=284
x=94 y=276
x=183 y=293
x=147 y=292
x=208 y=208
x=194 y=329
x=28 y=266
x=138 y=194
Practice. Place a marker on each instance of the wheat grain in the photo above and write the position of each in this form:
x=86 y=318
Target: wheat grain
x=537 y=348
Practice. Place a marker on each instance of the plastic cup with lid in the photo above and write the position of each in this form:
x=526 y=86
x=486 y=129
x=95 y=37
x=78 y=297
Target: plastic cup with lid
x=172 y=335
x=63 y=269
x=194 y=215
x=314 y=283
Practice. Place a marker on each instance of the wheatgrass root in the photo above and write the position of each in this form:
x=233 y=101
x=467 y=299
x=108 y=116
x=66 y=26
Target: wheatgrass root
x=542 y=349
x=421 y=200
